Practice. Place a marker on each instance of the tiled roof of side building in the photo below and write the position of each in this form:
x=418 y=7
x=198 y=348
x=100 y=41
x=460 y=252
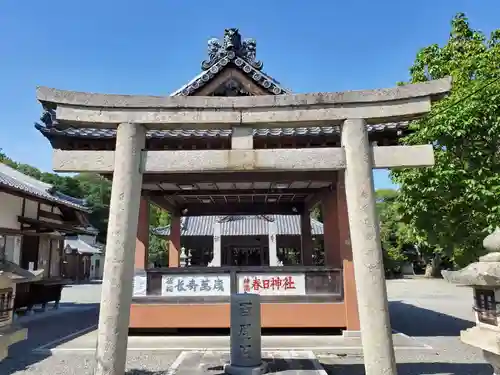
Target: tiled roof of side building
x=12 y=179
x=82 y=246
x=248 y=225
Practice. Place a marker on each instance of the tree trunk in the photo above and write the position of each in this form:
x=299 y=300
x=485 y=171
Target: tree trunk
x=433 y=268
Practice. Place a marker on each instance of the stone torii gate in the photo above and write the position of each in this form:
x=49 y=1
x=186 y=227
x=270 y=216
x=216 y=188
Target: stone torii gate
x=131 y=116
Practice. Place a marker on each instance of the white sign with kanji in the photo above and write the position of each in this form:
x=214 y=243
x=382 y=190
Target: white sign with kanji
x=272 y=284
x=140 y=285
x=195 y=285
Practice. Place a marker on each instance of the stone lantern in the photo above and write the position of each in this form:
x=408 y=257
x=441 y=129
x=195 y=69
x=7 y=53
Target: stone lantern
x=10 y=333
x=484 y=278
x=183 y=257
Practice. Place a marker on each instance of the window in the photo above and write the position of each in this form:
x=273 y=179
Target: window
x=3 y=240
x=7 y=247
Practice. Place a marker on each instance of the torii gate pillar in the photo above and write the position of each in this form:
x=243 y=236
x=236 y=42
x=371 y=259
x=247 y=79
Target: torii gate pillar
x=376 y=337
x=117 y=283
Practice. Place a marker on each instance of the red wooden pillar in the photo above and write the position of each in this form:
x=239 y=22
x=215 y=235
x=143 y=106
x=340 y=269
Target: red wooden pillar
x=142 y=238
x=306 y=239
x=345 y=251
x=174 y=243
x=337 y=245
x=330 y=231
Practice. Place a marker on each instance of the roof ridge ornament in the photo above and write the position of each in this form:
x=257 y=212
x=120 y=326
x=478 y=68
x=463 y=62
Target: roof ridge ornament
x=232 y=46
x=267 y=218
x=49 y=117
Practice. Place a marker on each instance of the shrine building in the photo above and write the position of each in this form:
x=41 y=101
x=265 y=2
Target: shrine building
x=272 y=157
x=244 y=239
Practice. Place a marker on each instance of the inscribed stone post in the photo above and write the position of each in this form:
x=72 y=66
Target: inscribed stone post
x=246 y=356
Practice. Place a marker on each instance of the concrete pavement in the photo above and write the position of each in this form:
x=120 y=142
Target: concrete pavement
x=428 y=314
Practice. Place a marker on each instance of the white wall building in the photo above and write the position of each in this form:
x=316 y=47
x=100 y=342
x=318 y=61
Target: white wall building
x=90 y=253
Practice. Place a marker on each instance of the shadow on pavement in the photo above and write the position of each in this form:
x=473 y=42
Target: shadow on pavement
x=417 y=321
x=356 y=369
x=86 y=282
x=79 y=305
x=274 y=366
x=415 y=369
x=226 y=332
x=48 y=332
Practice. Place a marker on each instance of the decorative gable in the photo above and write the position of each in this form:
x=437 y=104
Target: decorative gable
x=232 y=70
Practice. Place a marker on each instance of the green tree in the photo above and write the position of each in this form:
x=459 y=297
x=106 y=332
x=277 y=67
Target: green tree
x=317 y=213
x=450 y=207
x=158 y=247
x=96 y=190
x=397 y=242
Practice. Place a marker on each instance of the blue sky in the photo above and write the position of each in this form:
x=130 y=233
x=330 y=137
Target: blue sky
x=154 y=47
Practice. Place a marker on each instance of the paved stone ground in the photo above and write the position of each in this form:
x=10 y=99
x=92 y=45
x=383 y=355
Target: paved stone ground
x=434 y=312
x=430 y=311
x=82 y=294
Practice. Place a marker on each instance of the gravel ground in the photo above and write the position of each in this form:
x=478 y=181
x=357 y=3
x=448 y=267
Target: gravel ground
x=432 y=311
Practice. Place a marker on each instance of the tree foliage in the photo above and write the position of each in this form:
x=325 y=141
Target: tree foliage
x=394 y=233
x=158 y=246
x=397 y=243
x=450 y=207
x=96 y=190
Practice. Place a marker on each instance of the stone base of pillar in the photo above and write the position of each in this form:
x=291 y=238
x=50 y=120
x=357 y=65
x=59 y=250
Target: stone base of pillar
x=351 y=334
x=240 y=370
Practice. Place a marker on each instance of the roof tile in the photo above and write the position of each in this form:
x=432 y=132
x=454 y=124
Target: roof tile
x=82 y=246
x=249 y=225
x=11 y=178
x=242 y=59
x=92 y=133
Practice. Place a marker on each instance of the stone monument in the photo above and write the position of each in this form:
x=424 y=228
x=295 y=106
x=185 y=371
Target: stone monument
x=246 y=346
x=484 y=278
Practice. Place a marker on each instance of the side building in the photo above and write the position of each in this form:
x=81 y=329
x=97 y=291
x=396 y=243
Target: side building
x=34 y=221
x=84 y=256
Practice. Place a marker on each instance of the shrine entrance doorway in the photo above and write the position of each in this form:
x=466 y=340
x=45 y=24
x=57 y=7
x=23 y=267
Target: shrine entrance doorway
x=248 y=256
x=242 y=256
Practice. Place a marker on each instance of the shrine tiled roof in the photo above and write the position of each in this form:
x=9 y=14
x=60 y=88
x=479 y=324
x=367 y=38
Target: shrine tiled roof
x=91 y=133
x=260 y=78
x=236 y=52
x=245 y=225
x=10 y=178
x=231 y=51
